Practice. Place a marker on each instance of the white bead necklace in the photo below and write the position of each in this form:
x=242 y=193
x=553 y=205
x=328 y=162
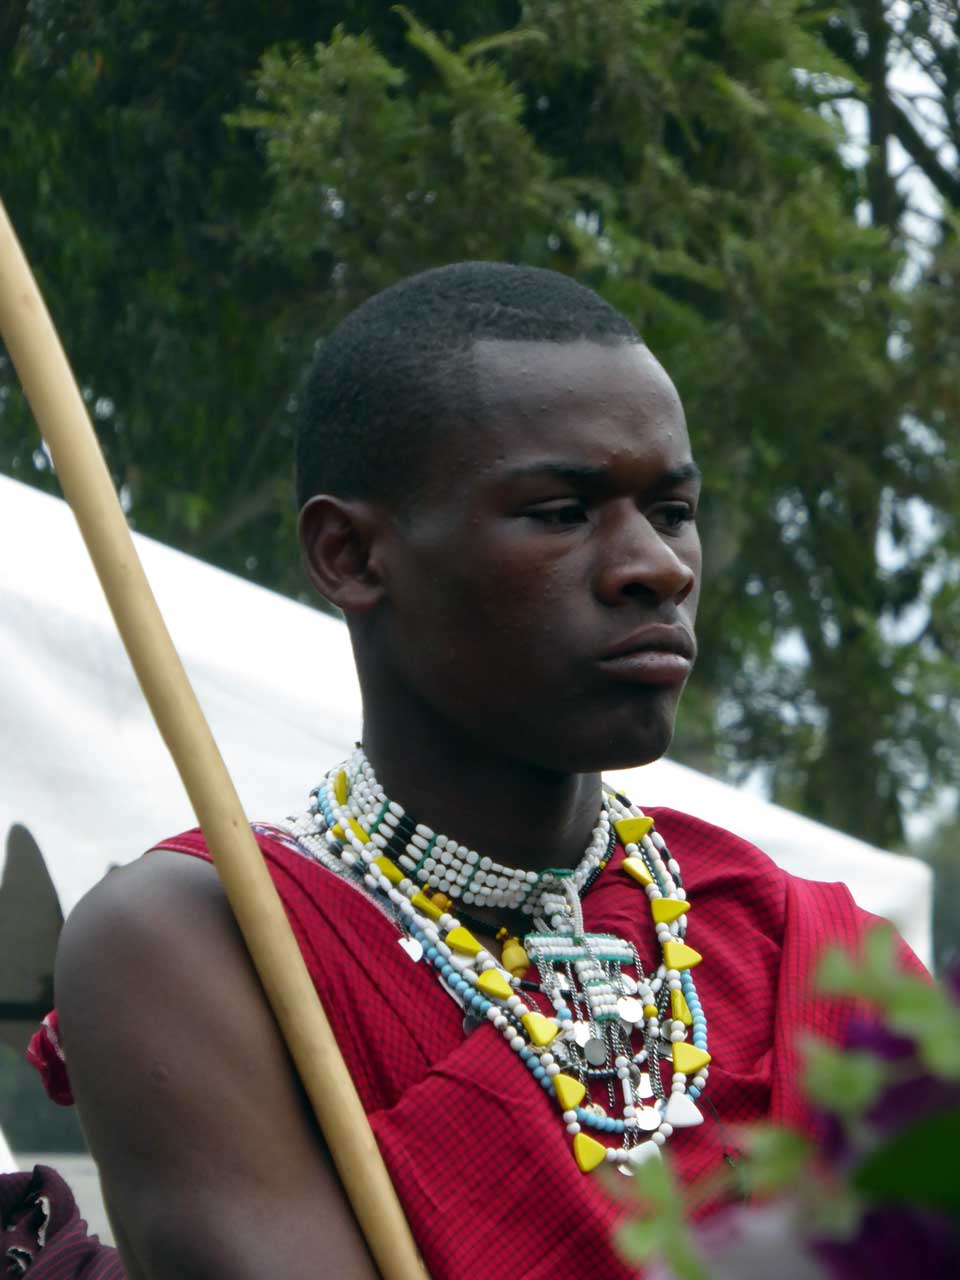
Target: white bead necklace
x=442 y=864
x=608 y=1029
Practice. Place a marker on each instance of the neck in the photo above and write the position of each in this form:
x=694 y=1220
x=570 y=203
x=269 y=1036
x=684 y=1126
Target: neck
x=510 y=810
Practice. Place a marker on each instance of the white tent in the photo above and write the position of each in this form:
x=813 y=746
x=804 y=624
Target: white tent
x=7 y=1162
x=83 y=768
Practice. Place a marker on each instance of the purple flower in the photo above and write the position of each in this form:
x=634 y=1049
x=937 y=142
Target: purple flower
x=866 y=1032
x=893 y=1242
x=906 y=1101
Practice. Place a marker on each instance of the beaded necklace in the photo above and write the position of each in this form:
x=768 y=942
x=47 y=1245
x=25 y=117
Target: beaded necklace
x=608 y=1029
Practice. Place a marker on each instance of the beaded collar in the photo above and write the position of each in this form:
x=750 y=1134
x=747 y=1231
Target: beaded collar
x=593 y=1029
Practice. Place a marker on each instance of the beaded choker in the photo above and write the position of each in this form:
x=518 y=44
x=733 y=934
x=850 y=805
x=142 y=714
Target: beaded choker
x=592 y=1028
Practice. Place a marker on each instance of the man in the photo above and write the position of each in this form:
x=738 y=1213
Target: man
x=497 y=490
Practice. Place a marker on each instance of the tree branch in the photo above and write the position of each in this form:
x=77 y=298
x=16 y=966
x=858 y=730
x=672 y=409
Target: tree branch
x=910 y=138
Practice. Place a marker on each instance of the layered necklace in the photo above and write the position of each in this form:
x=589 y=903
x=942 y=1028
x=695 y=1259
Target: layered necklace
x=592 y=1027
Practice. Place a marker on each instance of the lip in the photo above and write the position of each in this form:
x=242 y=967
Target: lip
x=658 y=637
x=656 y=654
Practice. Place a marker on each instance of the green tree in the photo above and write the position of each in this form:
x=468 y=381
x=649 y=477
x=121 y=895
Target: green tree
x=941 y=849
x=207 y=200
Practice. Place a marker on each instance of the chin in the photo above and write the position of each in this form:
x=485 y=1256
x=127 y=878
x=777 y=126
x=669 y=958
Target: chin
x=638 y=737
x=634 y=755
x=625 y=747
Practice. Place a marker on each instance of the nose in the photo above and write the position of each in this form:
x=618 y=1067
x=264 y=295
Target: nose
x=640 y=561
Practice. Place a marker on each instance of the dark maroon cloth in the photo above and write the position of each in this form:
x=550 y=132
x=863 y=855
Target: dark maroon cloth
x=43 y=1236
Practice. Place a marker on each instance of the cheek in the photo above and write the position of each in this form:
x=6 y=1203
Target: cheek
x=502 y=609
x=494 y=636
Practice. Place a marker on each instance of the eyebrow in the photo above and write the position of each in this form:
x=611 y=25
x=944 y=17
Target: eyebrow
x=578 y=472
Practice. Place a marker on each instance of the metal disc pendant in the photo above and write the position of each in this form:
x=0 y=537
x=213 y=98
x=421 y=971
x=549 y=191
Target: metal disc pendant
x=630 y=1009
x=471 y=1022
x=595 y=1052
x=581 y=1033
x=648 y=1118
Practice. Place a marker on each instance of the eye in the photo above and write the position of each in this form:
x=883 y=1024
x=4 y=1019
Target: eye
x=674 y=515
x=561 y=514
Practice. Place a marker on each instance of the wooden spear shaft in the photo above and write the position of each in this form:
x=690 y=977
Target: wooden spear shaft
x=58 y=407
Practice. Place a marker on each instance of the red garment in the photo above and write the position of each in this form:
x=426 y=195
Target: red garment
x=476 y=1149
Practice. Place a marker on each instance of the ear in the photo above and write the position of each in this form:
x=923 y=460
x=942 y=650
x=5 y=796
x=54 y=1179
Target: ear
x=338 y=540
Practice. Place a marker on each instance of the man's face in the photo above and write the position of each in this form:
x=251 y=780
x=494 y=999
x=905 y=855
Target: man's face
x=542 y=596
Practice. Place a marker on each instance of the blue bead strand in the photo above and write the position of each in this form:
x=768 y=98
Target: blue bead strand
x=605 y=1124
x=699 y=1020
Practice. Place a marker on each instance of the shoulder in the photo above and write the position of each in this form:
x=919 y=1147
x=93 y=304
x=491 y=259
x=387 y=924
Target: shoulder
x=152 y=948
x=735 y=876
x=159 y=895
x=705 y=842
x=186 y=1092
x=810 y=914
x=154 y=907
x=713 y=853
x=717 y=864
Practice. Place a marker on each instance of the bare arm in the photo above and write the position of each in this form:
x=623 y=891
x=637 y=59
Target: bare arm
x=211 y=1161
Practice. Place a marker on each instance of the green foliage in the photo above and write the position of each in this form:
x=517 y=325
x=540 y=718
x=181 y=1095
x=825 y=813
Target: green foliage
x=882 y=1165
x=659 y=1228
x=776 y=1158
x=942 y=851
x=368 y=175
x=917 y=1166
x=842 y=1080
x=202 y=208
x=909 y=1006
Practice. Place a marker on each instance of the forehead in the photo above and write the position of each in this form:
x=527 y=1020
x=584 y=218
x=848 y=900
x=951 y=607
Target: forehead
x=591 y=398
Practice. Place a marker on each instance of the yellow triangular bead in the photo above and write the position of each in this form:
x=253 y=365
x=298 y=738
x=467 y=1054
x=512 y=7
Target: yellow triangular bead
x=389 y=869
x=636 y=869
x=666 y=910
x=340 y=787
x=462 y=940
x=492 y=983
x=680 y=1009
x=570 y=1092
x=541 y=1030
x=588 y=1152
x=689 y=1059
x=358 y=831
x=632 y=830
x=677 y=955
x=338 y=831
x=423 y=903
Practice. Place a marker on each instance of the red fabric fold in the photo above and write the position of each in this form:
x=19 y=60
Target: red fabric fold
x=45 y=1053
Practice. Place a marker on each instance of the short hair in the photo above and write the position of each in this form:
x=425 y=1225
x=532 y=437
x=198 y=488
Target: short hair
x=398 y=370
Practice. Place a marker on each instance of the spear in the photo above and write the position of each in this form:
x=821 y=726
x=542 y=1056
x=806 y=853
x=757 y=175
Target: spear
x=53 y=395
